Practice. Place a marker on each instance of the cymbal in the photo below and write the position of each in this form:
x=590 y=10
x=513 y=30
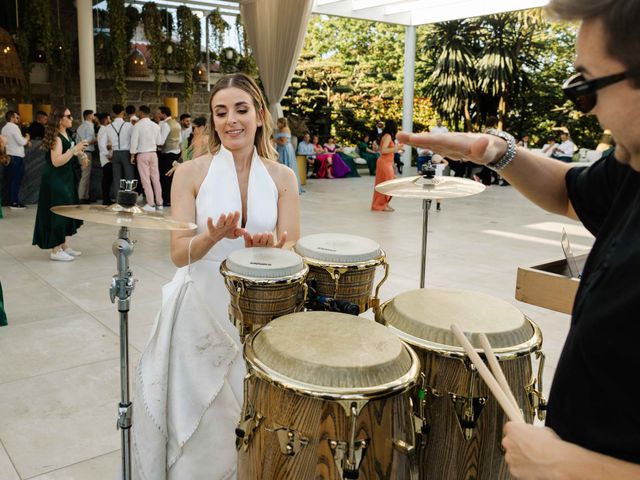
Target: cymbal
x=119 y=216
x=430 y=189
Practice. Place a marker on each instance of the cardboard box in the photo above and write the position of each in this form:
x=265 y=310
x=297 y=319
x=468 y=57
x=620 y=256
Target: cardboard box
x=549 y=285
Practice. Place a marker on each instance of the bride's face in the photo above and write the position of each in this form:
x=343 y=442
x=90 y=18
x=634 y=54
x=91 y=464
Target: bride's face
x=235 y=118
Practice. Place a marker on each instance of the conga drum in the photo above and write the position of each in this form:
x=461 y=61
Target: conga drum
x=458 y=421
x=343 y=267
x=326 y=398
x=264 y=283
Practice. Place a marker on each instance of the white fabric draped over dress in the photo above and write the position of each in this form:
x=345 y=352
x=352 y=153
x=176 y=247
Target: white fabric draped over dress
x=188 y=388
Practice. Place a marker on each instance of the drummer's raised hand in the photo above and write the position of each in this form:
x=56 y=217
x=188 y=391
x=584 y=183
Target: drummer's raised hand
x=225 y=227
x=263 y=240
x=477 y=147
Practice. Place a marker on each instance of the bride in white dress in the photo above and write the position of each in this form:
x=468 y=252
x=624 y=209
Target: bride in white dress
x=188 y=387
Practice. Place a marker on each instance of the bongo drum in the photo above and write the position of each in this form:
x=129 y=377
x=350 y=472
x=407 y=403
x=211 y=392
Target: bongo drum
x=344 y=266
x=459 y=423
x=264 y=283
x=326 y=398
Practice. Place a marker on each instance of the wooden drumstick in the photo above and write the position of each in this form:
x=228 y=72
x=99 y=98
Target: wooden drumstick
x=512 y=412
x=497 y=370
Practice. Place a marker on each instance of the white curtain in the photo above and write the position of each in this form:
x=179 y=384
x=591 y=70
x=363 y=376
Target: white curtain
x=276 y=30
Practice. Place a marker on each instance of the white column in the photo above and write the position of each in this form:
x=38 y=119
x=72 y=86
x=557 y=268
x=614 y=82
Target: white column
x=85 y=52
x=407 y=94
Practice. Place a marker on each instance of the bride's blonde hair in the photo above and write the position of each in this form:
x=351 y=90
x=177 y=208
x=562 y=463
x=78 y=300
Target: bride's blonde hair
x=262 y=139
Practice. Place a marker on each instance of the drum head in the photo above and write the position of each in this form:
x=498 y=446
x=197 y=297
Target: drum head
x=258 y=262
x=337 y=248
x=327 y=351
x=427 y=316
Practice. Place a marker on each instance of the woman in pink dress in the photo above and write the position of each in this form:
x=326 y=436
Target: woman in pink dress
x=323 y=159
x=339 y=168
x=384 y=167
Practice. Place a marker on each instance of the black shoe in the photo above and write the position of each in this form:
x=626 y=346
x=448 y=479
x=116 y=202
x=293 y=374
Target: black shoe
x=438 y=207
x=17 y=206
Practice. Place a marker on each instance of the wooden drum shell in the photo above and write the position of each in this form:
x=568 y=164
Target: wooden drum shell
x=381 y=421
x=447 y=455
x=349 y=282
x=255 y=302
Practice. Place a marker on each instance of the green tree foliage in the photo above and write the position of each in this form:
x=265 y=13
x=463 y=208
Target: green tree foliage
x=349 y=75
x=509 y=65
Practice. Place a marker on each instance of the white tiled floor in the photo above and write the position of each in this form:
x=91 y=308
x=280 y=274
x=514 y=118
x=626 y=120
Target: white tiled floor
x=59 y=375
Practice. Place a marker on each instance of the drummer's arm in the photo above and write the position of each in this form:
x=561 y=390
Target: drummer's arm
x=534 y=452
x=288 y=207
x=539 y=178
x=183 y=208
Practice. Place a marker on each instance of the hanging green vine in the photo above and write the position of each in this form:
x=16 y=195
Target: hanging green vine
x=62 y=54
x=219 y=27
x=152 y=20
x=167 y=22
x=187 y=46
x=119 y=46
x=39 y=17
x=241 y=34
x=133 y=19
x=246 y=63
x=197 y=36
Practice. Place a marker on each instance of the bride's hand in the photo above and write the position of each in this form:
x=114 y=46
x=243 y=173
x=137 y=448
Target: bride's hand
x=263 y=240
x=225 y=227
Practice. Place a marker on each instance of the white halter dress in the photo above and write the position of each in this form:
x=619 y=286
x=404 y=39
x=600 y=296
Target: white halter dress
x=188 y=388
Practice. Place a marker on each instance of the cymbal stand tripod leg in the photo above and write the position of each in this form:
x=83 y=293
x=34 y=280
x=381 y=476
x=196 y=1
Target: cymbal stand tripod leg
x=426 y=205
x=122 y=285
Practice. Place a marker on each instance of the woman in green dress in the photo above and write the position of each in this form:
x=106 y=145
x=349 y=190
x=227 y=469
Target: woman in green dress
x=368 y=154
x=59 y=186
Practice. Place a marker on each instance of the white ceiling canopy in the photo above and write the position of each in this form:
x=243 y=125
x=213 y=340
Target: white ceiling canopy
x=403 y=12
x=419 y=12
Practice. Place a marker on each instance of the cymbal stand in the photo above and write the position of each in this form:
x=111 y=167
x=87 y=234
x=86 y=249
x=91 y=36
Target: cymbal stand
x=428 y=172
x=122 y=285
x=426 y=205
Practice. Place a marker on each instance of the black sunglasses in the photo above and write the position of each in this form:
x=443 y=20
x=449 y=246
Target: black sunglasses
x=584 y=93
x=68 y=116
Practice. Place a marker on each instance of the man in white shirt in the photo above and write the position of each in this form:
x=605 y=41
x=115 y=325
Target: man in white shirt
x=118 y=134
x=185 y=124
x=439 y=128
x=105 y=150
x=86 y=132
x=145 y=139
x=565 y=150
x=15 y=149
x=305 y=147
x=170 y=132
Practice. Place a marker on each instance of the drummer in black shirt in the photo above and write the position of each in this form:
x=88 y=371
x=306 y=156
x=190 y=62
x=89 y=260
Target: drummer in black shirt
x=593 y=421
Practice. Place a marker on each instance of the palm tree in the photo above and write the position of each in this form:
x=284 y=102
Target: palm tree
x=452 y=83
x=501 y=69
